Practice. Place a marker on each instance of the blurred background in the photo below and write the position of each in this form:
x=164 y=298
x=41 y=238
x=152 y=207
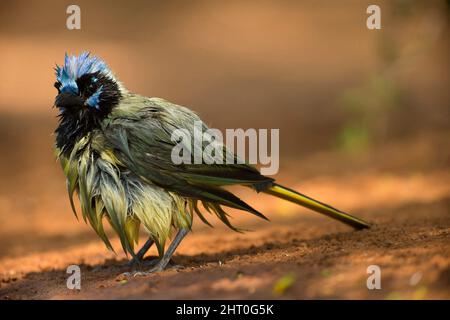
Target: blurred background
x=350 y=103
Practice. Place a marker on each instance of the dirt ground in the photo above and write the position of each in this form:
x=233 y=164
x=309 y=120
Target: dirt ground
x=402 y=188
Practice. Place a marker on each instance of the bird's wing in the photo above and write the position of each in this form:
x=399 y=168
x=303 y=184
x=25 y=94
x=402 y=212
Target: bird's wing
x=140 y=132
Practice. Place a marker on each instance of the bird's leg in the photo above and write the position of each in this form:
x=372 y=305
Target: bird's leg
x=141 y=253
x=162 y=263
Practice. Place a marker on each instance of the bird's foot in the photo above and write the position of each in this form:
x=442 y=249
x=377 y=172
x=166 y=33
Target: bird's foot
x=155 y=267
x=140 y=263
x=138 y=259
x=165 y=259
x=137 y=265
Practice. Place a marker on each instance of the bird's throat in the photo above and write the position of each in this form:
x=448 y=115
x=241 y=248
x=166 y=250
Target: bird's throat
x=73 y=127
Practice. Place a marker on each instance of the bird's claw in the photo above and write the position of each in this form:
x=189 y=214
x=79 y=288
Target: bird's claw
x=155 y=269
x=140 y=264
x=148 y=272
x=126 y=274
x=136 y=274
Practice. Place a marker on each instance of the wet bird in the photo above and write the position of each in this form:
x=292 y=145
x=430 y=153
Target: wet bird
x=115 y=148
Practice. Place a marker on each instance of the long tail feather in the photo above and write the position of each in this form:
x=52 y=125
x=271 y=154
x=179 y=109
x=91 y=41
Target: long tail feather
x=294 y=196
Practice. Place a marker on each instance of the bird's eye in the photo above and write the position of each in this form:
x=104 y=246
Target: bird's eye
x=93 y=85
x=86 y=84
x=93 y=82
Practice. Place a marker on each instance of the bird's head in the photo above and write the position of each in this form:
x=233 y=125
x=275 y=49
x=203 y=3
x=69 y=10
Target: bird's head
x=86 y=87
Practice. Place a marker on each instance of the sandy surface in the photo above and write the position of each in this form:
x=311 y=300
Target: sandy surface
x=298 y=255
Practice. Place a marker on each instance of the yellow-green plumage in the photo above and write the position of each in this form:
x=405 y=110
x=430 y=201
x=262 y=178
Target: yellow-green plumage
x=117 y=177
x=105 y=191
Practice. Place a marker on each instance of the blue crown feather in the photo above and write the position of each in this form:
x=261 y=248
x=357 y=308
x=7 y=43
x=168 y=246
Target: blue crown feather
x=75 y=67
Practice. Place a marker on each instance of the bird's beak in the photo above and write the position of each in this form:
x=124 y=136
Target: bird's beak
x=68 y=100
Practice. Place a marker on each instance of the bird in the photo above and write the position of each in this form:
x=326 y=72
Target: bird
x=114 y=147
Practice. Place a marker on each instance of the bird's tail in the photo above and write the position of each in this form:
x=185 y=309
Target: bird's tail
x=301 y=199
